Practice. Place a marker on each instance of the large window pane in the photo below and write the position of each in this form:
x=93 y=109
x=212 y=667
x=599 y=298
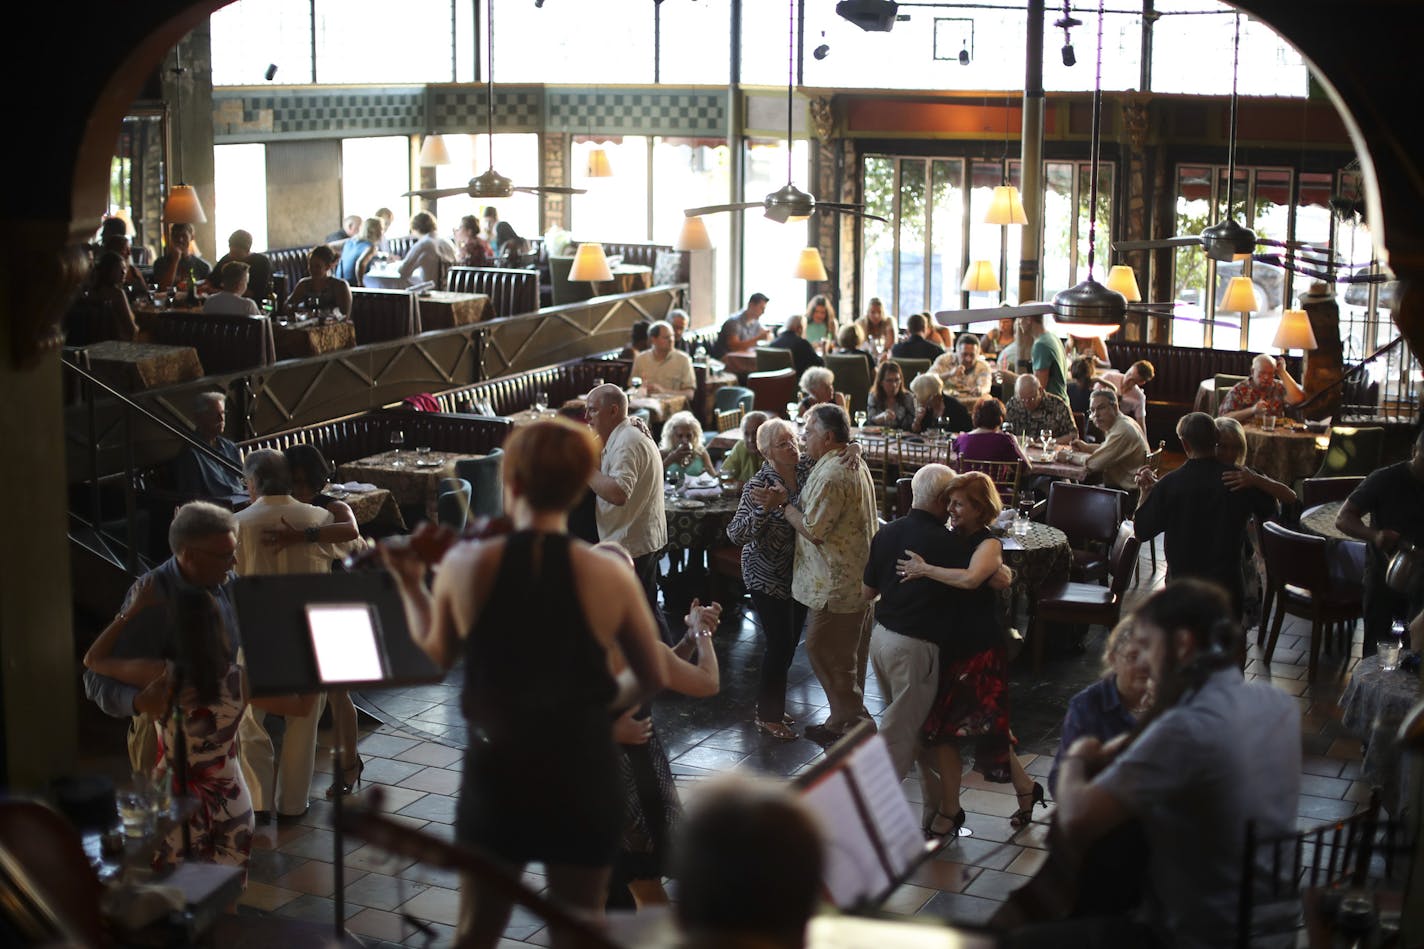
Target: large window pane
x=689 y=173
x=912 y=238
x=369 y=41
x=771 y=248
x=877 y=261
x=1013 y=245
x=1058 y=219
x=374 y=173
x=1189 y=273
x=1103 y=244
x=239 y=194
x=573 y=42
x=1270 y=208
x=248 y=35
x=701 y=26
x=1192 y=54
x=946 y=234
x=516 y=156
x=616 y=207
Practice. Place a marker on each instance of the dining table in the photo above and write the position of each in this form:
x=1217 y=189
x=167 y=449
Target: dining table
x=1346 y=555
x=385 y=275
x=446 y=309
x=308 y=337
x=1039 y=557
x=627 y=278
x=1059 y=464
x=412 y=477
x=661 y=406
x=133 y=366
x=1372 y=708
x=699 y=522
x=1287 y=452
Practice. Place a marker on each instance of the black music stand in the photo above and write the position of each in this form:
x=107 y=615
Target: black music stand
x=313 y=632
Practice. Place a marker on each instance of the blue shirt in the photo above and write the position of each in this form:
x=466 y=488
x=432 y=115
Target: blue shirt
x=198 y=476
x=149 y=634
x=1097 y=711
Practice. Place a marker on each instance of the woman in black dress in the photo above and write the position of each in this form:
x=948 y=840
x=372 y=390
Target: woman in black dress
x=534 y=615
x=972 y=705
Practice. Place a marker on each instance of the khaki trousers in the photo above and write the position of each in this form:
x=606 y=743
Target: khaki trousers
x=292 y=775
x=907 y=670
x=838 y=646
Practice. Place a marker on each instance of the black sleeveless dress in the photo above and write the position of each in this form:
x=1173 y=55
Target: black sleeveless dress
x=541 y=779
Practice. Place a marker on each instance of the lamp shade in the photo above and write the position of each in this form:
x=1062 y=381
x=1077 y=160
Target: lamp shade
x=1240 y=295
x=598 y=166
x=590 y=264
x=1123 y=279
x=1294 y=332
x=433 y=152
x=183 y=206
x=1006 y=207
x=980 y=278
x=693 y=235
x=809 y=265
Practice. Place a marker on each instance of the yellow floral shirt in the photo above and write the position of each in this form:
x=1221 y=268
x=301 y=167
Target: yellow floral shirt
x=838 y=505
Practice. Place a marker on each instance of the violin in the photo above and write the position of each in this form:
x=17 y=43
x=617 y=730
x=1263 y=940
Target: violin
x=431 y=541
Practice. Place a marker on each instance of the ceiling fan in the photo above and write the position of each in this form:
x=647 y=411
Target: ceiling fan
x=789 y=204
x=1226 y=240
x=491 y=184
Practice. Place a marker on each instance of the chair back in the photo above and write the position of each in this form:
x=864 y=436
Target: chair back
x=1004 y=474
x=852 y=378
x=564 y=289
x=1294 y=559
x=1080 y=422
x=911 y=368
x=1122 y=559
x=1154 y=458
x=486 y=491
x=730 y=419
x=733 y=397
x=1352 y=452
x=383 y=315
x=771 y=391
x=511 y=292
x=1086 y=513
x=913 y=452
x=452 y=504
x=1222 y=383
x=904 y=496
x=1317 y=491
x=770 y=358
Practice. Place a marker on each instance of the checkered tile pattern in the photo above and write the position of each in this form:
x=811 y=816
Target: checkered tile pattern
x=638 y=112
x=462 y=108
x=335 y=112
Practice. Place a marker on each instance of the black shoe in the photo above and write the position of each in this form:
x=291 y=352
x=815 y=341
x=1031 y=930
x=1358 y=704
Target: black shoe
x=1024 y=816
x=823 y=734
x=946 y=833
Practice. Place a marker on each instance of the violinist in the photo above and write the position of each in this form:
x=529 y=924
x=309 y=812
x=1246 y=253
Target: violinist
x=1213 y=753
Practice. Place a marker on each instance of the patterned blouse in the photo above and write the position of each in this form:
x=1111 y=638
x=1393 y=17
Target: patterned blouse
x=903 y=406
x=768 y=543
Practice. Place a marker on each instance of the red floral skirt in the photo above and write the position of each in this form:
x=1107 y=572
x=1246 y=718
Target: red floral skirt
x=973 y=708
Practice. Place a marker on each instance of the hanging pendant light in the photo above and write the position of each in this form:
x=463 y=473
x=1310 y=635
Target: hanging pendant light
x=1295 y=332
x=1240 y=296
x=590 y=264
x=1225 y=239
x=433 y=151
x=693 y=235
x=809 y=265
x=598 y=166
x=980 y=278
x=1091 y=309
x=182 y=205
x=1123 y=279
x=1006 y=207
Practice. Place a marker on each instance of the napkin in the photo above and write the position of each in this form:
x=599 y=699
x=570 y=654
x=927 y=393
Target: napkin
x=357 y=487
x=703 y=492
x=704 y=480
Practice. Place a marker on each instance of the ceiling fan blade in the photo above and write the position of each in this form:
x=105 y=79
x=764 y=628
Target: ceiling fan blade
x=715 y=208
x=857 y=210
x=961 y=317
x=549 y=189
x=1289 y=245
x=437 y=192
x=1182 y=241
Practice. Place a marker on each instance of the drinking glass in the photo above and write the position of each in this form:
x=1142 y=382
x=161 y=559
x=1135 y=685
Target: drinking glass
x=791 y=408
x=422 y=454
x=1045 y=437
x=541 y=402
x=1388 y=651
x=1268 y=421
x=597 y=381
x=860 y=420
x=636 y=382
x=397 y=442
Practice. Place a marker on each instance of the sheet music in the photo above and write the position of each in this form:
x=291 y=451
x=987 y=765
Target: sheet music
x=901 y=839
x=852 y=870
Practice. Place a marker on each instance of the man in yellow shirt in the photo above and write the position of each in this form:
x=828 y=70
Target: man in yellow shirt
x=662 y=368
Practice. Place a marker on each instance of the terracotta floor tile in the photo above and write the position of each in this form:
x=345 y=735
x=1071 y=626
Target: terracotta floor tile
x=437 y=904
x=265 y=896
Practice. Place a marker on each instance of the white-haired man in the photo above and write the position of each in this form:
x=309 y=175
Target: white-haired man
x=629 y=489
x=1267 y=392
x=662 y=367
x=1032 y=410
x=197 y=474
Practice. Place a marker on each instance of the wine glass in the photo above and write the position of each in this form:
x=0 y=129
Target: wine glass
x=860 y=420
x=1045 y=437
x=397 y=443
x=636 y=382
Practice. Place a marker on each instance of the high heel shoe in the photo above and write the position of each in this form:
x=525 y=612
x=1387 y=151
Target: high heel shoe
x=949 y=833
x=1024 y=815
x=350 y=780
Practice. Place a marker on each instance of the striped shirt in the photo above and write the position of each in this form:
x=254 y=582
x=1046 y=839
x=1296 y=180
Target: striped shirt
x=768 y=543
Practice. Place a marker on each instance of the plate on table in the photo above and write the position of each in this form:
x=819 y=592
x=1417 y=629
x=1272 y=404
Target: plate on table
x=688 y=504
x=430 y=462
x=871 y=430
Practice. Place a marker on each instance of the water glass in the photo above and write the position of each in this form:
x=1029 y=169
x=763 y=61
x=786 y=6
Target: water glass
x=136 y=807
x=397 y=442
x=860 y=420
x=1268 y=422
x=791 y=408
x=1388 y=651
x=541 y=402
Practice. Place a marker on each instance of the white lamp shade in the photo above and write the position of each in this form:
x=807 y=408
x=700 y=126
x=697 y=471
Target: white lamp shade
x=433 y=152
x=1240 y=296
x=693 y=235
x=590 y=264
x=1294 y=332
x=1006 y=207
x=980 y=278
x=598 y=166
x=809 y=265
x=183 y=206
x=1123 y=279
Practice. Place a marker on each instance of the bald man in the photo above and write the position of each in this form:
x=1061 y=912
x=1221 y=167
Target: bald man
x=1031 y=410
x=629 y=489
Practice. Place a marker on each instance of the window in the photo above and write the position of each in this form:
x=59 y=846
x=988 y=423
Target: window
x=770 y=249
x=1192 y=54
x=689 y=173
x=239 y=194
x=574 y=42
x=616 y=207
x=696 y=43
x=248 y=35
x=516 y=156
x=374 y=173
x=372 y=41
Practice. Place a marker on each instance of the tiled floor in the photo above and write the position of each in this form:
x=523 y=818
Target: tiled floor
x=414 y=760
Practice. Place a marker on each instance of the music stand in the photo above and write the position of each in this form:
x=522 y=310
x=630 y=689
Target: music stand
x=313 y=632
x=873 y=841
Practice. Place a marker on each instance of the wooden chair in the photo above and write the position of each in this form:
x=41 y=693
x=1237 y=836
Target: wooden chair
x=1090 y=516
x=904 y=496
x=1278 y=871
x=771 y=391
x=1317 y=491
x=1298 y=575
x=730 y=419
x=879 y=457
x=725 y=400
x=913 y=452
x=769 y=359
x=1005 y=475
x=1085 y=603
x=1223 y=383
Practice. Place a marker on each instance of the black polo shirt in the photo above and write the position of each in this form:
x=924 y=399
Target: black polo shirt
x=916 y=347
x=1394 y=499
x=920 y=608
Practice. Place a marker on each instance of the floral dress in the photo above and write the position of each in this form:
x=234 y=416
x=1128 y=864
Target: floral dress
x=221 y=828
